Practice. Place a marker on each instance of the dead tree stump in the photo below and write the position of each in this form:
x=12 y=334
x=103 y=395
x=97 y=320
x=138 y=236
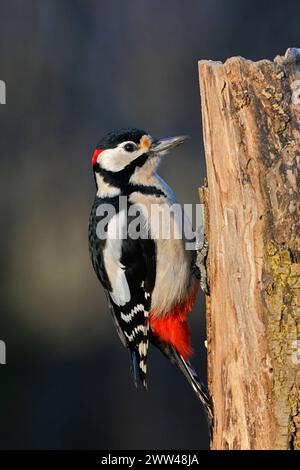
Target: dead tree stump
x=251 y=129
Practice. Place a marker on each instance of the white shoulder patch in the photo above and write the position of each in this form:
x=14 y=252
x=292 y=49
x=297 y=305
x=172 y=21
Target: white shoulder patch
x=112 y=254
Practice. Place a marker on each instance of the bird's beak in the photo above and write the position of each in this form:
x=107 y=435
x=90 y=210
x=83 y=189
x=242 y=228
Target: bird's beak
x=163 y=146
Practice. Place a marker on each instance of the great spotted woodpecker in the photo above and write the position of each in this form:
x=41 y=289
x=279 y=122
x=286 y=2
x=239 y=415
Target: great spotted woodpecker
x=151 y=280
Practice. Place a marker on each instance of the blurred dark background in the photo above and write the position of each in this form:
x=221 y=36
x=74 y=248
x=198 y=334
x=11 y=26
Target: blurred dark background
x=74 y=70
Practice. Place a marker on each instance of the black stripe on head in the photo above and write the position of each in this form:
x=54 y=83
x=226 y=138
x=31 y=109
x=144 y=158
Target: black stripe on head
x=114 y=138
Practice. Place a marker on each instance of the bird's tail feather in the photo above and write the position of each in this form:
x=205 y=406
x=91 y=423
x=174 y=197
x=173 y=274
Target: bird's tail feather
x=190 y=374
x=197 y=385
x=133 y=366
x=138 y=366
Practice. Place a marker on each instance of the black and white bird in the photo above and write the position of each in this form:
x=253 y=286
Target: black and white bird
x=151 y=280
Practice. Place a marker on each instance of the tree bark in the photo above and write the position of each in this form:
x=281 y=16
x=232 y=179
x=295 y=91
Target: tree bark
x=250 y=114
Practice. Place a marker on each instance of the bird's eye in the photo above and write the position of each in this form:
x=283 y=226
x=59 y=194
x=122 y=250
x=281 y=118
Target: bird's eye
x=129 y=147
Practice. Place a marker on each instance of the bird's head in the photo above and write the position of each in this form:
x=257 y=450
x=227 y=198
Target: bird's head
x=124 y=152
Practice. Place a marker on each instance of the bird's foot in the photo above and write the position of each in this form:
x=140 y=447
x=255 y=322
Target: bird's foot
x=202 y=253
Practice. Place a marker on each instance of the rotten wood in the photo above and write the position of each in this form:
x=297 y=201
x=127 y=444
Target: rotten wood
x=250 y=114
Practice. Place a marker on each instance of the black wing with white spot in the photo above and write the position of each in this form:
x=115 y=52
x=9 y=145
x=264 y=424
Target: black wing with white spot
x=126 y=269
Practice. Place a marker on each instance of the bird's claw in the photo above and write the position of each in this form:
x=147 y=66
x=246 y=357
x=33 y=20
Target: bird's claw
x=201 y=263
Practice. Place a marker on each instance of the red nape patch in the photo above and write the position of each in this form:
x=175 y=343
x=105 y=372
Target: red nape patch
x=173 y=327
x=96 y=155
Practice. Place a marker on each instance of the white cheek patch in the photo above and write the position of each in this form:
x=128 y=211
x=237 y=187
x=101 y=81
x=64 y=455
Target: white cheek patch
x=117 y=158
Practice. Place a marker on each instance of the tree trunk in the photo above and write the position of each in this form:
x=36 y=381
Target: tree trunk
x=251 y=134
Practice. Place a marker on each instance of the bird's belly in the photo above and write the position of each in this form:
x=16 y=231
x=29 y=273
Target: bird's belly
x=174 y=280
